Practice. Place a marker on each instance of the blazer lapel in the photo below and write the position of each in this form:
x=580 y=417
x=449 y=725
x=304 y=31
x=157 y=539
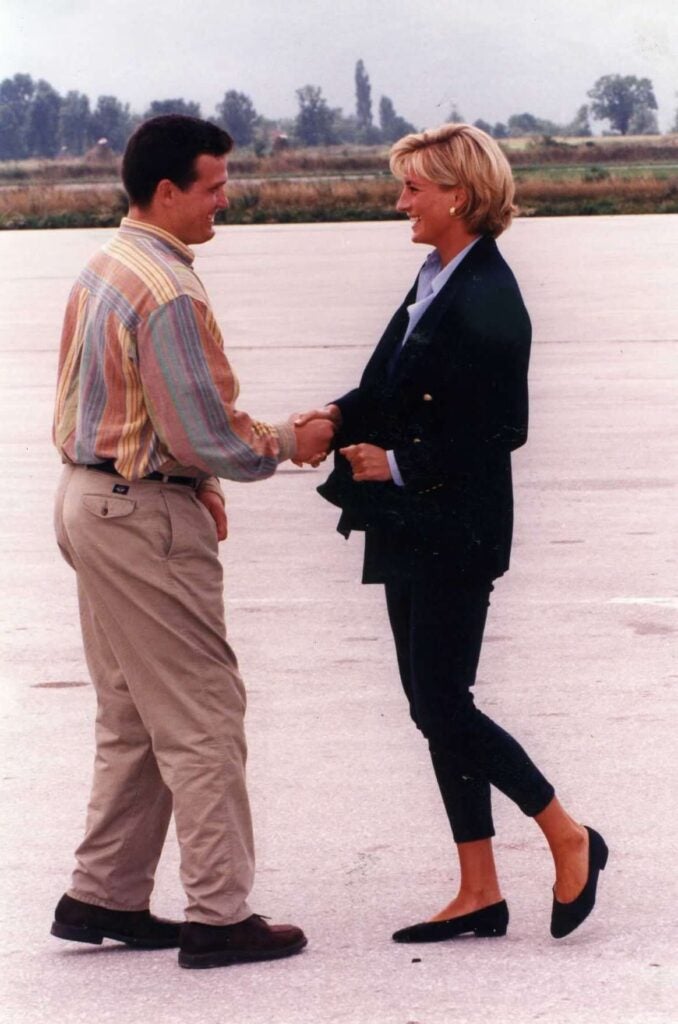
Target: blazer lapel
x=426 y=332
x=390 y=341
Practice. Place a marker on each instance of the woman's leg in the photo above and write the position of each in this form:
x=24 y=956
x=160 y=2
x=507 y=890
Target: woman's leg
x=569 y=845
x=478 y=882
x=467 y=800
x=438 y=628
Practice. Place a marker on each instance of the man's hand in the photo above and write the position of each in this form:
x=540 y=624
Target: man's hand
x=367 y=462
x=215 y=507
x=314 y=436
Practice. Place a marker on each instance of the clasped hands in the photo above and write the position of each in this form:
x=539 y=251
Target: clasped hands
x=316 y=428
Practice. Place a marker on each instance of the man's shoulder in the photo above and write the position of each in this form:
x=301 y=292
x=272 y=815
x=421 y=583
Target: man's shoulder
x=139 y=274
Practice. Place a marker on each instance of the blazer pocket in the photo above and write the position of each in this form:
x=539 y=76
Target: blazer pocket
x=104 y=507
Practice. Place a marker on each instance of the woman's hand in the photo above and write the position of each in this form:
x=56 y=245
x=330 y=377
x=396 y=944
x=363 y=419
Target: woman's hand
x=368 y=462
x=329 y=412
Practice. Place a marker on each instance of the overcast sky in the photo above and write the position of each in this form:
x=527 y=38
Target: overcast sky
x=492 y=58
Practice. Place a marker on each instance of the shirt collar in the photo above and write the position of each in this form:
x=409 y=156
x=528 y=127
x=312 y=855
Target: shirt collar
x=438 y=275
x=137 y=227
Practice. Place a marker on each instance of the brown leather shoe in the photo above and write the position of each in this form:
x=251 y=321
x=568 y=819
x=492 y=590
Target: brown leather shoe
x=207 y=945
x=86 y=922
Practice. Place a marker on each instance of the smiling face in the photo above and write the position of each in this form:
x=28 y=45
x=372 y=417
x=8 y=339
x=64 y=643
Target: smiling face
x=427 y=204
x=191 y=211
x=434 y=212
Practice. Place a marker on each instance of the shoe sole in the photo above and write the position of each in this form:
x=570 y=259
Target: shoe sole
x=223 y=958
x=487 y=923
x=95 y=937
x=478 y=933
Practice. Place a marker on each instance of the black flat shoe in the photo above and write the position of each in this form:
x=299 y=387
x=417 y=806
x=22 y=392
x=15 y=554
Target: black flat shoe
x=84 y=922
x=485 y=923
x=565 y=917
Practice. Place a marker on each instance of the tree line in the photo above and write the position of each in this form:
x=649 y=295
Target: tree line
x=36 y=121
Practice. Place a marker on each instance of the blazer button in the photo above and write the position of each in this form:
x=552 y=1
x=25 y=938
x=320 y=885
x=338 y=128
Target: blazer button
x=416 y=440
x=427 y=397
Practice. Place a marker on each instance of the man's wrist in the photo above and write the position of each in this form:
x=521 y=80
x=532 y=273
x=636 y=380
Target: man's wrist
x=287 y=439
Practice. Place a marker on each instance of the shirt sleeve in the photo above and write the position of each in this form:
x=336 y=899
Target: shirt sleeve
x=395 y=472
x=190 y=392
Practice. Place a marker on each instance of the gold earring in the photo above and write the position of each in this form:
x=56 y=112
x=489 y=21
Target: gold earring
x=453 y=210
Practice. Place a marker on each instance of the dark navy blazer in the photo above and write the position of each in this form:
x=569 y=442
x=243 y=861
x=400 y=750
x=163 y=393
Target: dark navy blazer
x=452 y=405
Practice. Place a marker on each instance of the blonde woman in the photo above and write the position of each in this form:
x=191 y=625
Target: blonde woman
x=423 y=467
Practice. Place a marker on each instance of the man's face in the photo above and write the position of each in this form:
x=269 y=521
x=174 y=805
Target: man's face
x=194 y=208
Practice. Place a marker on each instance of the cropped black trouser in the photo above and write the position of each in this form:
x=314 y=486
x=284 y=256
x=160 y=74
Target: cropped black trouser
x=438 y=625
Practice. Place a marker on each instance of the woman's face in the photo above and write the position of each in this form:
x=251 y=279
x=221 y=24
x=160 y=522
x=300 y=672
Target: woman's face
x=428 y=207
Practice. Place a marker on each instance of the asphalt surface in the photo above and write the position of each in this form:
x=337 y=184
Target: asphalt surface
x=579 y=660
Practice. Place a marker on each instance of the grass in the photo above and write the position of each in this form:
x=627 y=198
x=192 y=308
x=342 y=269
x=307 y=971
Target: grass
x=322 y=160
x=41 y=207
x=342 y=183
x=597 y=194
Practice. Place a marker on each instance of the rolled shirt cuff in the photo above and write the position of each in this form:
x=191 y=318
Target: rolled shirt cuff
x=288 y=440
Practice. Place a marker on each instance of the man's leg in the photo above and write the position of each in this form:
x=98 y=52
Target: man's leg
x=130 y=806
x=148 y=566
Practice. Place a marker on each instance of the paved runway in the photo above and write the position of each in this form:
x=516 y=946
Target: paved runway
x=580 y=658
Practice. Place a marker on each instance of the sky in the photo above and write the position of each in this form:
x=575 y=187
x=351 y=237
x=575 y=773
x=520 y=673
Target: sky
x=489 y=58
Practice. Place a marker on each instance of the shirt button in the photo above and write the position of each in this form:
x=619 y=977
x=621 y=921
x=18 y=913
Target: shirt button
x=427 y=397
x=416 y=440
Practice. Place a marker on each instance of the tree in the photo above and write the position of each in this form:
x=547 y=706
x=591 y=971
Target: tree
x=618 y=98
x=644 y=122
x=345 y=128
x=500 y=131
x=455 y=116
x=528 y=124
x=579 y=127
x=393 y=126
x=483 y=125
x=42 y=124
x=15 y=98
x=237 y=115
x=314 y=122
x=363 y=97
x=173 y=106
x=112 y=121
x=75 y=127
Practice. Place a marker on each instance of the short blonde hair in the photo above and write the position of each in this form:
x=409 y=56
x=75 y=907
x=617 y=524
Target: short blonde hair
x=462 y=155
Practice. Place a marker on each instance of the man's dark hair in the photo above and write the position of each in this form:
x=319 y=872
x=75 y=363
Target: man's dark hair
x=167 y=147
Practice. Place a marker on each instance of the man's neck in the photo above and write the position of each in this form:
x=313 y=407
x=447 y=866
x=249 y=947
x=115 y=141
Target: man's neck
x=147 y=215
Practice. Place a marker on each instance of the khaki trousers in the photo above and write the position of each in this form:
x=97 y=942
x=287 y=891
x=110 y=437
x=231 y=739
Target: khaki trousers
x=170 y=700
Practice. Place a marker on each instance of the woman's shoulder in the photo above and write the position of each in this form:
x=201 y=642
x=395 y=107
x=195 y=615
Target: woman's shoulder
x=487 y=297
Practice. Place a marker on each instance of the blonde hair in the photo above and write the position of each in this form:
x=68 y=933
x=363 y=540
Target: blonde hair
x=465 y=156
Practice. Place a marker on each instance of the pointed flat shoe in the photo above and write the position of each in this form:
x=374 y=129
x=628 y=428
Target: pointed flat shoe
x=485 y=923
x=565 y=917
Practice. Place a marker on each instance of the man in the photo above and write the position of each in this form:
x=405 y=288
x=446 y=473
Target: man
x=146 y=421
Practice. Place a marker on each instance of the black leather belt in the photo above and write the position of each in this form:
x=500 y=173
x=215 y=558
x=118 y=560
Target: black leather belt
x=186 y=481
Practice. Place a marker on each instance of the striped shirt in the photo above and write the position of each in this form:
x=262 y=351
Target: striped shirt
x=143 y=377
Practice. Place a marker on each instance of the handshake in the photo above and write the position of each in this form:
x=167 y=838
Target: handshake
x=315 y=432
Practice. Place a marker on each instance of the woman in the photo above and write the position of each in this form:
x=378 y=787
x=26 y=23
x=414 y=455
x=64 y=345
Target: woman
x=423 y=467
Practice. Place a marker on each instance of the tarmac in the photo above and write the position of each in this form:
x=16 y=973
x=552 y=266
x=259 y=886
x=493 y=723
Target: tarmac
x=579 y=661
